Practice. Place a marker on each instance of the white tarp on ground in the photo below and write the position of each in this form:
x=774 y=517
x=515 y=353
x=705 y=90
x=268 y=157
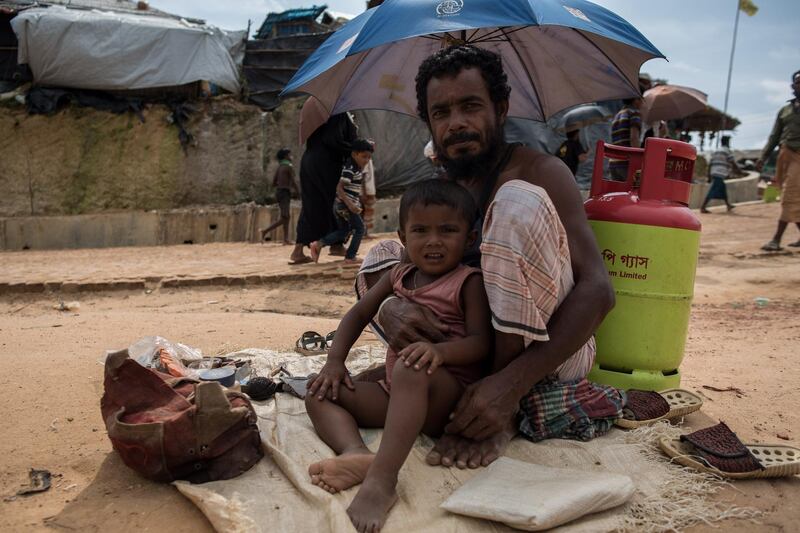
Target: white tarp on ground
x=276 y=494
x=115 y=51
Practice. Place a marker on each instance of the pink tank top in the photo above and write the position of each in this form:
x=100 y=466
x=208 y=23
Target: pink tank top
x=443 y=297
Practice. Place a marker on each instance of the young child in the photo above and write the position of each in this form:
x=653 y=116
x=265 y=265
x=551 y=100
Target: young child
x=425 y=380
x=347 y=206
x=283 y=181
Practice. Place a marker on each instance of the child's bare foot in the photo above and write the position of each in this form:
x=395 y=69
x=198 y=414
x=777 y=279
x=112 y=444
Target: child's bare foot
x=371 y=506
x=340 y=473
x=315 y=249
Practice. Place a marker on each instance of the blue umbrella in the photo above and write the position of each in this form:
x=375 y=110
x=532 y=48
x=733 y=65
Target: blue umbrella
x=556 y=53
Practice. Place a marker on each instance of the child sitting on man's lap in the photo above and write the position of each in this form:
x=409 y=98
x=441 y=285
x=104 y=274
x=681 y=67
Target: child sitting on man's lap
x=425 y=380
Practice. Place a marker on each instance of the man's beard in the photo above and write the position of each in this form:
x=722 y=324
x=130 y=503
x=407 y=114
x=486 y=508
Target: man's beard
x=465 y=167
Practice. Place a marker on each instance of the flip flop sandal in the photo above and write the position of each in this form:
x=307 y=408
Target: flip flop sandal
x=717 y=450
x=772 y=246
x=310 y=343
x=794 y=244
x=646 y=407
x=329 y=340
x=302 y=261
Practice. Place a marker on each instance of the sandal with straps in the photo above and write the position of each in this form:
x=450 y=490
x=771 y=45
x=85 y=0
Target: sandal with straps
x=310 y=343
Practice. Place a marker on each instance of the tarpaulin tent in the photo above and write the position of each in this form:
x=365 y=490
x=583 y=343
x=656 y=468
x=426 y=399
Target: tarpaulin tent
x=121 y=51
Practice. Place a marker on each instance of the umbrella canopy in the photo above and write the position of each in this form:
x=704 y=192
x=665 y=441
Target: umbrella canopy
x=670 y=102
x=312 y=116
x=583 y=116
x=709 y=119
x=555 y=55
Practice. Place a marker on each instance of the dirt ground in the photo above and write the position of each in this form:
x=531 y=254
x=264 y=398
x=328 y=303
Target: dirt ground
x=51 y=373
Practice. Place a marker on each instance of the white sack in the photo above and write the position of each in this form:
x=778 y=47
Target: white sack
x=534 y=497
x=115 y=51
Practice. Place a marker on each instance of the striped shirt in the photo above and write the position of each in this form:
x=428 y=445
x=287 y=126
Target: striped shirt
x=721 y=164
x=352 y=180
x=625 y=119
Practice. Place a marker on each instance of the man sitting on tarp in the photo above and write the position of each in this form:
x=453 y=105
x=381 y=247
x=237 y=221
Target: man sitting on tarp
x=546 y=283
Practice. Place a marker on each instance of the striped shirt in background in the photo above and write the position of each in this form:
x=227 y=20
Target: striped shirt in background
x=352 y=179
x=625 y=119
x=721 y=164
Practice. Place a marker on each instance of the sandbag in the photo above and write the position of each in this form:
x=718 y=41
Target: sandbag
x=169 y=428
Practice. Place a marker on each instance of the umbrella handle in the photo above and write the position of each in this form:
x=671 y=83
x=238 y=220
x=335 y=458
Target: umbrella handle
x=601 y=185
x=667 y=170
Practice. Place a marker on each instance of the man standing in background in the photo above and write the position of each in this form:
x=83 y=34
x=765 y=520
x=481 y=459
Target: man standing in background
x=786 y=133
x=625 y=131
x=720 y=168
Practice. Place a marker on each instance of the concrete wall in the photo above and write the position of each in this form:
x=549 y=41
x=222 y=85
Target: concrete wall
x=150 y=228
x=214 y=224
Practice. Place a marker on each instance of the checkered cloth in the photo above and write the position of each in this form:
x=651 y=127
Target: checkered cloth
x=527 y=270
x=575 y=409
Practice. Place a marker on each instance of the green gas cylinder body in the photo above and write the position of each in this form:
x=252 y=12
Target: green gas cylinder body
x=649 y=241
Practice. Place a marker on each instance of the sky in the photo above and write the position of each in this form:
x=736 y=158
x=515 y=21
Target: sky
x=694 y=35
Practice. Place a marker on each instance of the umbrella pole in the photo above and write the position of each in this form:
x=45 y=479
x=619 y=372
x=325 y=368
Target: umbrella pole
x=730 y=68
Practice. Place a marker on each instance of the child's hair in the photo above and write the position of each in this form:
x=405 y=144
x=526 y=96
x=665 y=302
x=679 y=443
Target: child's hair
x=282 y=154
x=361 y=145
x=439 y=192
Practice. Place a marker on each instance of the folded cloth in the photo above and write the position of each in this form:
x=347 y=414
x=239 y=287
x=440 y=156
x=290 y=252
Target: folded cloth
x=533 y=497
x=577 y=409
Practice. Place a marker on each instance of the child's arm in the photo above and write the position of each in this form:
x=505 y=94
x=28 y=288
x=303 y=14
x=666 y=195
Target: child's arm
x=334 y=372
x=470 y=349
x=342 y=195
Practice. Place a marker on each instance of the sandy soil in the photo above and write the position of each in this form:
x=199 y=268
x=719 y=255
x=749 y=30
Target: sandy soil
x=51 y=373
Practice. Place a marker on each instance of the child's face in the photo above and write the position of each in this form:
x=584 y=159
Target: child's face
x=435 y=237
x=361 y=158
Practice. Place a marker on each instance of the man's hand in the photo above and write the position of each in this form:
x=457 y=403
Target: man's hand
x=421 y=354
x=328 y=380
x=405 y=323
x=485 y=408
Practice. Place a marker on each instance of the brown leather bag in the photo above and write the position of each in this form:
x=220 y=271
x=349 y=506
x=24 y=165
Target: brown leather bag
x=169 y=428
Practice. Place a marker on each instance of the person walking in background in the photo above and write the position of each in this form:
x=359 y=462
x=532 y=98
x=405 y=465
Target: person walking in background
x=786 y=133
x=348 y=207
x=721 y=167
x=284 y=184
x=625 y=131
x=571 y=151
x=320 y=169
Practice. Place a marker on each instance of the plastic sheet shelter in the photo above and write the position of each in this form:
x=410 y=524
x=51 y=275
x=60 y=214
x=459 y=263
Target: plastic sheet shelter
x=119 y=51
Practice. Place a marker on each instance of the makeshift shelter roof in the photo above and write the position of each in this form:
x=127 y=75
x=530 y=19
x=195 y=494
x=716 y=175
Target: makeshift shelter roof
x=116 y=6
x=92 y=49
x=709 y=119
x=312 y=14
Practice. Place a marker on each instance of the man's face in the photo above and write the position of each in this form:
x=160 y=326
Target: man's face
x=466 y=126
x=796 y=86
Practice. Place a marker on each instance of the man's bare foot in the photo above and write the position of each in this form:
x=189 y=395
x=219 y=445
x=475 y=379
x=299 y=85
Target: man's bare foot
x=371 y=506
x=340 y=473
x=453 y=450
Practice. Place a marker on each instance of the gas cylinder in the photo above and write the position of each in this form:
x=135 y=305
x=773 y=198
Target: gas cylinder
x=649 y=240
